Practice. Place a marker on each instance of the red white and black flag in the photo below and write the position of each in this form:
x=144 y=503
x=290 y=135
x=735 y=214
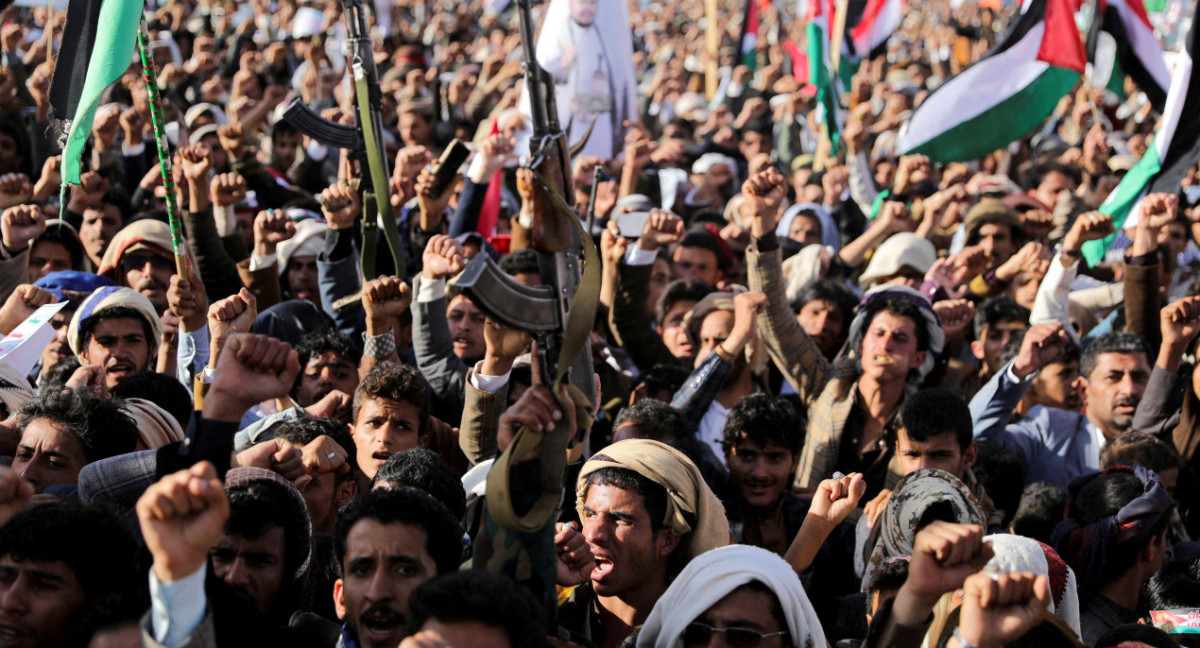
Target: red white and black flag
x=1138 y=53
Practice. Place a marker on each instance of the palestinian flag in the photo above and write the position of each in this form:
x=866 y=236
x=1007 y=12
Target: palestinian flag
x=82 y=18
x=1004 y=95
x=819 y=69
x=879 y=19
x=1138 y=52
x=1106 y=69
x=749 y=39
x=106 y=33
x=1176 y=148
x=799 y=61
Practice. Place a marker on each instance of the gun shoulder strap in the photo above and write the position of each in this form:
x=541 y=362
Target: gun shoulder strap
x=379 y=179
x=576 y=332
x=370 y=229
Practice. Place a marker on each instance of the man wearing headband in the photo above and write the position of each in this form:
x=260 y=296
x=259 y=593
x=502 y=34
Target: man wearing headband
x=893 y=338
x=117 y=329
x=646 y=512
x=1115 y=540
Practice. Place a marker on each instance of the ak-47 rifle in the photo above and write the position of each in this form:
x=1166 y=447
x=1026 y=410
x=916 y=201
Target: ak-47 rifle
x=559 y=314
x=363 y=140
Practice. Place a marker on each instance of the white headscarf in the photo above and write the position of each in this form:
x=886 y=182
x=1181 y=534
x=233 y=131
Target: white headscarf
x=1016 y=553
x=829 y=229
x=711 y=576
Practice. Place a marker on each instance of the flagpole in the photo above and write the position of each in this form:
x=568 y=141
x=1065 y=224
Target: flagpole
x=713 y=45
x=1088 y=69
x=839 y=34
x=164 y=151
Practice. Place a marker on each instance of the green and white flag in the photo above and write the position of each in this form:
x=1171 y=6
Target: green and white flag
x=820 y=63
x=103 y=58
x=1176 y=148
x=1004 y=95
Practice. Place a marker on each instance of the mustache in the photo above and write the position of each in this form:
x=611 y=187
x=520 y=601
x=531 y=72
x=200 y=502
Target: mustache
x=150 y=283
x=1131 y=401
x=383 y=612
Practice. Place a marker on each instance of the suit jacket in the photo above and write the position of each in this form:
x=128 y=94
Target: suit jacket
x=205 y=636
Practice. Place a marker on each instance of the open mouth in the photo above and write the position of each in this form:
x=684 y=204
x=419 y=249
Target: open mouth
x=884 y=359
x=120 y=370
x=381 y=625
x=381 y=456
x=603 y=568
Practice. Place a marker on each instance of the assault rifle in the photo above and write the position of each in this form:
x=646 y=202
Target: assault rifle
x=363 y=140
x=559 y=314
x=558 y=238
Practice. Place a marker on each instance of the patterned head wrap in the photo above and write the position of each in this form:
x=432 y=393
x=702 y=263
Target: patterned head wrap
x=1086 y=547
x=1014 y=553
x=913 y=496
x=247 y=474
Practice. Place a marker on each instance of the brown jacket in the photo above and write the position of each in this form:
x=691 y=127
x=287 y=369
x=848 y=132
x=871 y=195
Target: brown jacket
x=480 y=422
x=827 y=389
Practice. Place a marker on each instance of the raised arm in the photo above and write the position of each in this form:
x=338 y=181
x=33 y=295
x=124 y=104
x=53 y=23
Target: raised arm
x=1142 y=302
x=432 y=341
x=993 y=405
x=385 y=300
x=792 y=350
x=1051 y=303
x=487 y=391
x=630 y=317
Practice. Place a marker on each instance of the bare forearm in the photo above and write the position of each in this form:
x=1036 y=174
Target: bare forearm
x=854 y=253
x=807 y=543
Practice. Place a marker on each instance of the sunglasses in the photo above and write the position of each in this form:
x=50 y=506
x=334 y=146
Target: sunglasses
x=699 y=634
x=138 y=261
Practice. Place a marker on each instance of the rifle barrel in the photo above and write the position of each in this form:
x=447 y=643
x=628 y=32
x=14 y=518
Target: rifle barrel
x=534 y=75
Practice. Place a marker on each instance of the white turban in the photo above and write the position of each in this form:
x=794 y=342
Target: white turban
x=711 y=576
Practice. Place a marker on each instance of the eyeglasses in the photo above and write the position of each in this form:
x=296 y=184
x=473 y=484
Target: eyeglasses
x=138 y=261
x=700 y=634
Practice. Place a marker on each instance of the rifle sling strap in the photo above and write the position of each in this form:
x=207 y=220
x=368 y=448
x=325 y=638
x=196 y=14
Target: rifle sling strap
x=379 y=179
x=553 y=458
x=370 y=230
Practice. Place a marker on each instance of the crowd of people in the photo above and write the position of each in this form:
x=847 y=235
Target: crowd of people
x=843 y=395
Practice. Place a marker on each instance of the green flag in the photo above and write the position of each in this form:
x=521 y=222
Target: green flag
x=115 y=42
x=818 y=75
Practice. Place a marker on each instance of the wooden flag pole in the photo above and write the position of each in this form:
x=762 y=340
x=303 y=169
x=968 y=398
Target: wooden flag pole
x=839 y=33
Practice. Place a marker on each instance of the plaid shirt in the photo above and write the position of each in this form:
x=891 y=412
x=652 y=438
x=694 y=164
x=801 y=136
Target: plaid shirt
x=827 y=389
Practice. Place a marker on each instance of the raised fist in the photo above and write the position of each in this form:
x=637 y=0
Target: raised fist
x=21 y=224
x=662 y=228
